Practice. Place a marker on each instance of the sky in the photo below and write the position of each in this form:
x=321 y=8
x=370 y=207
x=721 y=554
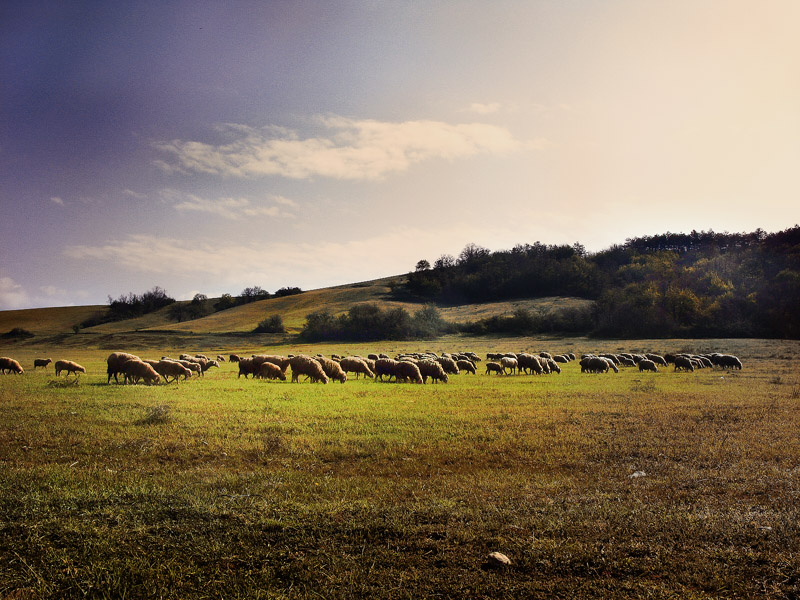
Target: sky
x=206 y=147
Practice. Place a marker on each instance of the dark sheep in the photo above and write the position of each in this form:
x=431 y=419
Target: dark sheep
x=115 y=362
x=648 y=365
x=41 y=362
x=10 y=365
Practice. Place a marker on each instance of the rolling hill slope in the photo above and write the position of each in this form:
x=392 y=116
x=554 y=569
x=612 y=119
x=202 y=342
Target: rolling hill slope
x=241 y=319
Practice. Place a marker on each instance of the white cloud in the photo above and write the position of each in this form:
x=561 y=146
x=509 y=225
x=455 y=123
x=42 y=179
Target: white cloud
x=12 y=294
x=132 y=194
x=484 y=109
x=355 y=149
x=229 y=208
x=57 y=200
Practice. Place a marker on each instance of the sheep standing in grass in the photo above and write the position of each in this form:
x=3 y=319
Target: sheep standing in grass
x=305 y=365
x=408 y=371
x=10 y=365
x=448 y=365
x=466 y=365
x=385 y=366
x=528 y=362
x=115 y=361
x=276 y=359
x=206 y=365
x=510 y=364
x=432 y=369
x=683 y=363
x=648 y=365
x=247 y=366
x=234 y=358
x=729 y=361
x=192 y=366
x=352 y=364
x=493 y=367
x=41 y=362
x=332 y=369
x=134 y=370
x=553 y=366
x=69 y=367
x=170 y=368
x=267 y=370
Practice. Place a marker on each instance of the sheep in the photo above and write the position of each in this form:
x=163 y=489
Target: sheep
x=683 y=363
x=10 y=365
x=115 y=361
x=432 y=369
x=648 y=365
x=247 y=366
x=268 y=370
x=493 y=367
x=657 y=359
x=596 y=364
x=170 y=368
x=493 y=356
x=561 y=358
x=545 y=355
x=192 y=366
x=407 y=371
x=385 y=366
x=553 y=366
x=332 y=369
x=352 y=364
x=625 y=361
x=134 y=370
x=275 y=359
x=206 y=365
x=448 y=365
x=234 y=358
x=41 y=362
x=509 y=363
x=528 y=362
x=373 y=356
x=729 y=361
x=466 y=365
x=69 y=367
x=220 y=358
x=305 y=365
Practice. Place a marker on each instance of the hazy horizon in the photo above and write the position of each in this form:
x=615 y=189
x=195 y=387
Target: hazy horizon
x=207 y=148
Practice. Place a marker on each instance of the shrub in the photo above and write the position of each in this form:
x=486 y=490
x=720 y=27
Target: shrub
x=18 y=333
x=272 y=324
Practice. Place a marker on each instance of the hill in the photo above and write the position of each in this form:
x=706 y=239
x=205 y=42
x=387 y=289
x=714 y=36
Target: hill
x=243 y=319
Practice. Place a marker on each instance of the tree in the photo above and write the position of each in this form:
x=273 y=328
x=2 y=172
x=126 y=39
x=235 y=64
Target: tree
x=422 y=265
x=272 y=324
x=444 y=261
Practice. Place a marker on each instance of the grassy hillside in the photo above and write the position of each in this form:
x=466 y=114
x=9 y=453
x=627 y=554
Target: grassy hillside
x=242 y=319
x=47 y=321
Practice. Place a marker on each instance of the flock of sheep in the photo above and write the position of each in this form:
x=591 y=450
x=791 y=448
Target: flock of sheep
x=406 y=367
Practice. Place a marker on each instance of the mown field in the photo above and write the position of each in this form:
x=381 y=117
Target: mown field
x=637 y=485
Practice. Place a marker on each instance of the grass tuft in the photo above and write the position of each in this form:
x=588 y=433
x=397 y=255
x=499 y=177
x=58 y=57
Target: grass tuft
x=157 y=415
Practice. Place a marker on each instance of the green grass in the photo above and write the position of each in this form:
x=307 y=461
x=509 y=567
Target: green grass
x=226 y=487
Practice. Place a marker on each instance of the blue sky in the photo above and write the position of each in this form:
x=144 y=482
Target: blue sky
x=208 y=147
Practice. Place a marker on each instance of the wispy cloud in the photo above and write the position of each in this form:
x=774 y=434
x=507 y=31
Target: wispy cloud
x=132 y=194
x=483 y=109
x=355 y=149
x=12 y=294
x=230 y=208
x=57 y=200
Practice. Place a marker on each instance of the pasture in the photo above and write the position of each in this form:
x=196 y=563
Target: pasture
x=656 y=485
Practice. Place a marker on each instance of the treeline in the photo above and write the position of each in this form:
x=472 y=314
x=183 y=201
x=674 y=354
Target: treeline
x=370 y=322
x=668 y=285
x=131 y=306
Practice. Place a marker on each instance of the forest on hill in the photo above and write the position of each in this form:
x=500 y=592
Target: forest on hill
x=698 y=284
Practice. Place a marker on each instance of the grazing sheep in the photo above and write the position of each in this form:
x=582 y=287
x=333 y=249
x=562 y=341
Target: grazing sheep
x=275 y=359
x=528 y=362
x=41 y=362
x=352 y=364
x=448 y=364
x=683 y=363
x=385 y=366
x=305 y=365
x=407 y=371
x=115 y=361
x=247 y=366
x=648 y=365
x=553 y=366
x=268 y=370
x=220 y=358
x=134 y=370
x=332 y=369
x=170 y=368
x=595 y=364
x=192 y=366
x=729 y=361
x=510 y=364
x=373 y=356
x=493 y=356
x=10 y=365
x=545 y=355
x=206 y=365
x=234 y=358
x=625 y=361
x=493 y=367
x=656 y=359
x=561 y=358
x=432 y=369
x=466 y=365
x=69 y=367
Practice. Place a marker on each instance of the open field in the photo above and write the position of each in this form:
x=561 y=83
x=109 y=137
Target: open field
x=226 y=487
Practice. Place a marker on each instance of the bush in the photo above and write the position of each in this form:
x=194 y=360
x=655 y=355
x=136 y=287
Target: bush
x=273 y=324
x=18 y=333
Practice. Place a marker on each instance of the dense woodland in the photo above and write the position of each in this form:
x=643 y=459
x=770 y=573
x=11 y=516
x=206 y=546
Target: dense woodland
x=700 y=284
